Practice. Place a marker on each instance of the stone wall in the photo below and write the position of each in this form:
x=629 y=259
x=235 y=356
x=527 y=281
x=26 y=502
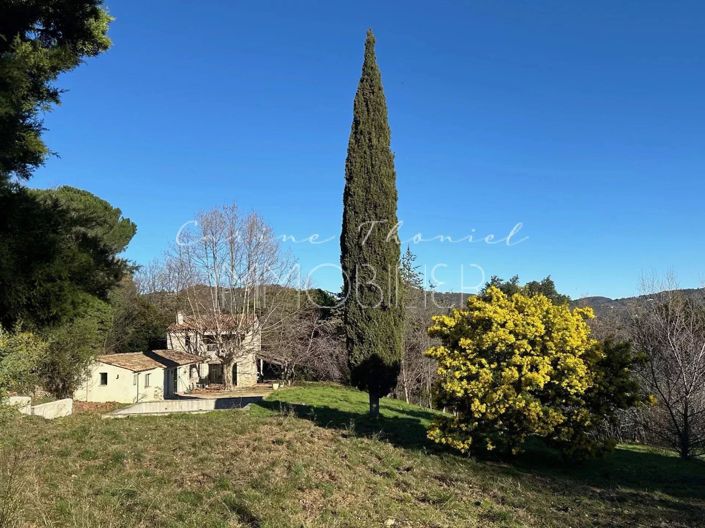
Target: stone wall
x=247 y=370
x=246 y=365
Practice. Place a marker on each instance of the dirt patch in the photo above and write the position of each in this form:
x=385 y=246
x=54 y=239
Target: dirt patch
x=80 y=407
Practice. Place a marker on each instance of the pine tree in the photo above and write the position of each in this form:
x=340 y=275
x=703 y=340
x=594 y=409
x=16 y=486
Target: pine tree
x=373 y=314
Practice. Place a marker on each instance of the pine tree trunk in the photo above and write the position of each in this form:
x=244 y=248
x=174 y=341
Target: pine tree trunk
x=374 y=405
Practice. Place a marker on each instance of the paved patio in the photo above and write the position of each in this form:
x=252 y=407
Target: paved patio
x=261 y=389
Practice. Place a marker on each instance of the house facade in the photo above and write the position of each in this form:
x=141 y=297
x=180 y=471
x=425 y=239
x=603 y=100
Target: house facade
x=139 y=376
x=200 y=336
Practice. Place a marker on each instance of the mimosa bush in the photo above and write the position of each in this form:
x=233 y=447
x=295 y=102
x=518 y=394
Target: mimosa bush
x=511 y=367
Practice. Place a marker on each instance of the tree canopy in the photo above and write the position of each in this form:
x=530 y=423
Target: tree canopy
x=373 y=312
x=56 y=247
x=39 y=40
x=545 y=286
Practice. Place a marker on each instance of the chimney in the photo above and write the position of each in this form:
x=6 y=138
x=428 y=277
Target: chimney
x=179 y=317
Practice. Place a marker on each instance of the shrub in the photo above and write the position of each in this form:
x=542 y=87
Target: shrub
x=20 y=355
x=72 y=347
x=511 y=367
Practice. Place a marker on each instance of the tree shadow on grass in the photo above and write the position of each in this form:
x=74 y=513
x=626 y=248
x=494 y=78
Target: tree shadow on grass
x=646 y=487
x=406 y=431
x=632 y=467
x=626 y=475
x=627 y=480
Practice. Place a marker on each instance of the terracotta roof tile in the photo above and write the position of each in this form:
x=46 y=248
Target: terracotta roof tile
x=134 y=361
x=173 y=357
x=141 y=361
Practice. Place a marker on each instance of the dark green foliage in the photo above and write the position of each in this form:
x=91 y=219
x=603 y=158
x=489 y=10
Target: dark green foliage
x=545 y=287
x=56 y=246
x=411 y=278
x=373 y=316
x=39 y=40
x=136 y=323
x=324 y=300
x=93 y=218
x=616 y=385
x=72 y=347
x=615 y=388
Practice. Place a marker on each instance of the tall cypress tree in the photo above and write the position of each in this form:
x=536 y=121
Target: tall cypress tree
x=369 y=254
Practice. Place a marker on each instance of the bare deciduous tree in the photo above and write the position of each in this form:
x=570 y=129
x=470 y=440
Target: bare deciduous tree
x=233 y=276
x=669 y=328
x=309 y=344
x=418 y=372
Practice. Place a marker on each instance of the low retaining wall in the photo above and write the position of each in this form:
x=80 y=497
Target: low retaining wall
x=22 y=403
x=51 y=410
x=55 y=409
x=195 y=405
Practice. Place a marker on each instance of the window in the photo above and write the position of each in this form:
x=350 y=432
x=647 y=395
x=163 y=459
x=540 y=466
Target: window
x=146 y=380
x=103 y=378
x=187 y=342
x=210 y=342
x=135 y=377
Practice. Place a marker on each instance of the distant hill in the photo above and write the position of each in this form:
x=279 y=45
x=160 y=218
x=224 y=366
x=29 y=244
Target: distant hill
x=603 y=306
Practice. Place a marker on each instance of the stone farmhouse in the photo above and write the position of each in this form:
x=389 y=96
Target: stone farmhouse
x=189 y=362
x=199 y=336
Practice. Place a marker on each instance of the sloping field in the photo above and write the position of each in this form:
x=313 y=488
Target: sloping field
x=309 y=457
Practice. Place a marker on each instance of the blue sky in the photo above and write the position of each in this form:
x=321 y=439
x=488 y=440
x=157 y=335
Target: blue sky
x=583 y=121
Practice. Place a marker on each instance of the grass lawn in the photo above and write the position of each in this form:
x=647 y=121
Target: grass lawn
x=308 y=456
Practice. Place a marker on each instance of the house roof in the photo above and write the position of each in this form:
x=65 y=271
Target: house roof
x=134 y=361
x=269 y=356
x=212 y=323
x=141 y=361
x=171 y=358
